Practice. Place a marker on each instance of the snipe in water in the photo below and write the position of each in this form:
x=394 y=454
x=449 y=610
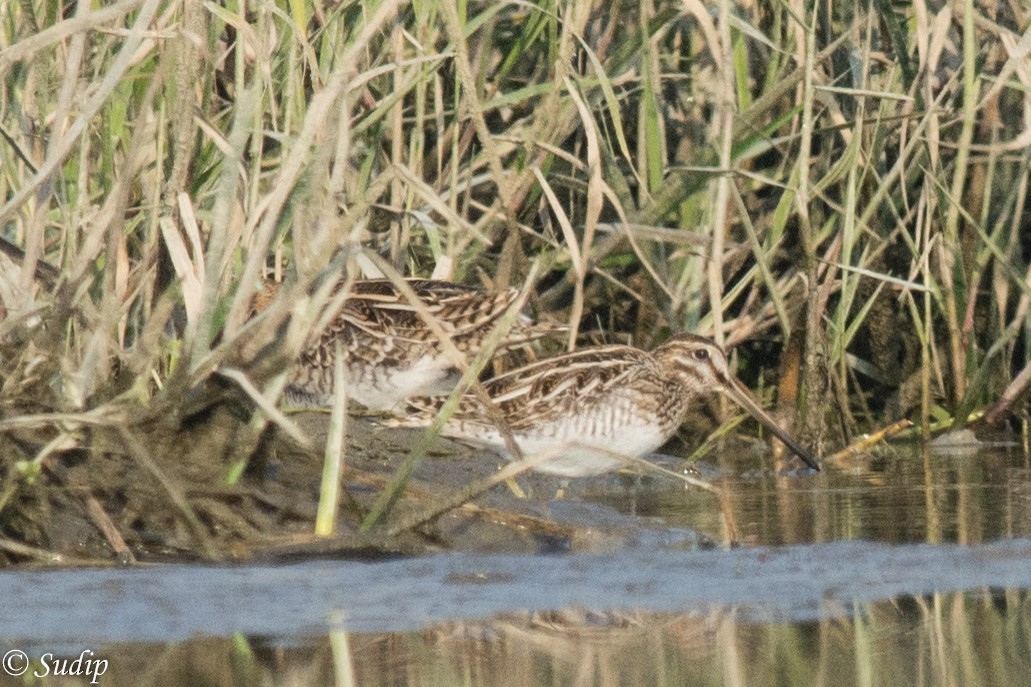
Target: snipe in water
x=391 y=353
x=586 y=408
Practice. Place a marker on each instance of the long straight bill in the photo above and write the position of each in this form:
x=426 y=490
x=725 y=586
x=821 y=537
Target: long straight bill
x=743 y=397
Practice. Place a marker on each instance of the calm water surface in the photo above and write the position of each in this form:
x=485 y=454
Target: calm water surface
x=909 y=569
x=905 y=496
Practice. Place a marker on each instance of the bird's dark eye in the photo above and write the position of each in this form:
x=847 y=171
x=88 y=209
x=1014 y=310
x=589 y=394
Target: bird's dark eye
x=701 y=354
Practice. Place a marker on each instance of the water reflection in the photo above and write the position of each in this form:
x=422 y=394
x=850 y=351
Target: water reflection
x=809 y=614
x=906 y=495
x=979 y=637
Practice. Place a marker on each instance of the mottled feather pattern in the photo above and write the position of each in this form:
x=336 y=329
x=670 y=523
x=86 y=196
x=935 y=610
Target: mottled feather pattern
x=572 y=385
x=391 y=352
x=586 y=405
x=585 y=378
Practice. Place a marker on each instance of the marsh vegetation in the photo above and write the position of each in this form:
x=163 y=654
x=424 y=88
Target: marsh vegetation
x=837 y=193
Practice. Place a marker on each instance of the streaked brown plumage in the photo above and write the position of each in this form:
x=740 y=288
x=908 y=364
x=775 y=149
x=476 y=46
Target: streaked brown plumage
x=583 y=407
x=390 y=351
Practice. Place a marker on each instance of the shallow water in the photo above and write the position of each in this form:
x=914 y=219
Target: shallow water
x=903 y=496
x=909 y=568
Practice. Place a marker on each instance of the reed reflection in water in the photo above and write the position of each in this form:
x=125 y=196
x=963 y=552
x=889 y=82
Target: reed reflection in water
x=903 y=495
x=978 y=637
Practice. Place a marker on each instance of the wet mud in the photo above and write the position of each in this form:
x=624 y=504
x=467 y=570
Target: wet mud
x=154 y=495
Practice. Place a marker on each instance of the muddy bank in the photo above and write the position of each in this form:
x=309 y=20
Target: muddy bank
x=149 y=496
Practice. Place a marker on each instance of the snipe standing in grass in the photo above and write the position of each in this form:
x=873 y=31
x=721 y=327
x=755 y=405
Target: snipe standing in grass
x=587 y=408
x=391 y=353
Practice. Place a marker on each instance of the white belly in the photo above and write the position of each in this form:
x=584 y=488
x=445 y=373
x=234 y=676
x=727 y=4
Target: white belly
x=565 y=449
x=386 y=387
x=377 y=387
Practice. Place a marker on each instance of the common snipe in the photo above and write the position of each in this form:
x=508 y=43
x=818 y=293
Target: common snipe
x=587 y=408
x=391 y=353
